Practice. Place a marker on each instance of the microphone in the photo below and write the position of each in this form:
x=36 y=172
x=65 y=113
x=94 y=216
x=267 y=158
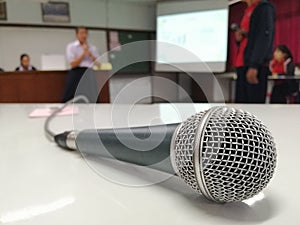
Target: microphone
x=236 y=27
x=223 y=153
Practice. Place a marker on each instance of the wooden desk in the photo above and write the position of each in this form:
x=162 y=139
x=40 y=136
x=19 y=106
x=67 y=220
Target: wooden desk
x=41 y=86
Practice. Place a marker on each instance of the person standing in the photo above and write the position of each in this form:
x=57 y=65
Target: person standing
x=25 y=64
x=81 y=55
x=255 y=39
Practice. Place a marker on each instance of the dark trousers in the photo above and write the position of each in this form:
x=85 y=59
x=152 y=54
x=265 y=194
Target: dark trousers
x=81 y=81
x=251 y=93
x=279 y=93
x=283 y=89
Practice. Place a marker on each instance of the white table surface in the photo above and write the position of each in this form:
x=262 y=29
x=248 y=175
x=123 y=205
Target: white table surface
x=40 y=184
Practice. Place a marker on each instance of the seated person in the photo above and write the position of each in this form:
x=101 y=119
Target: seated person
x=25 y=64
x=282 y=64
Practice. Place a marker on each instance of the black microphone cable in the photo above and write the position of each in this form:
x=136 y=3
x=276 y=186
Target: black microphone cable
x=61 y=138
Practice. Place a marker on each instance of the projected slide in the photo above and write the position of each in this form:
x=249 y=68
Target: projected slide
x=202 y=33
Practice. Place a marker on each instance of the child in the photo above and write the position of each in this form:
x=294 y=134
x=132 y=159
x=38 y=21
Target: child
x=282 y=64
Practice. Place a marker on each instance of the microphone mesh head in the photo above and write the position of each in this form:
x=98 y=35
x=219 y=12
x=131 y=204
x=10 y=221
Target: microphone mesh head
x=224 y=153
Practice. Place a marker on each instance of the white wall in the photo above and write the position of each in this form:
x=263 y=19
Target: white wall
x=94 y=13
x=131 y=89
x=132 y=16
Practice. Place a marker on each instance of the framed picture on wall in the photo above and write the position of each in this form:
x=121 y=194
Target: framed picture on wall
x=57 y=12
x=3 y=15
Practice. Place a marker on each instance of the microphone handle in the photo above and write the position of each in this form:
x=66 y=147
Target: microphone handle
x=121 y=145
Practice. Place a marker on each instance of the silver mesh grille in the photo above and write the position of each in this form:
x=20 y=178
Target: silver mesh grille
x=237 y=154
x=184 y=148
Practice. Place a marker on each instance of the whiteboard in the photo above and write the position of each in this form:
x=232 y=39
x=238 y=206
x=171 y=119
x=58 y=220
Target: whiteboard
x=36 y=42
x=192 y=36
x=53 y=62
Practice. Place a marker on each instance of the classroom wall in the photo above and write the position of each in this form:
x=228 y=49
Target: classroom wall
x=94 y=13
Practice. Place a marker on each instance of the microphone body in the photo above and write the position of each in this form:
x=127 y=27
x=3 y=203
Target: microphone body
x=128 y=144
x=223 y=153
x=234 y=27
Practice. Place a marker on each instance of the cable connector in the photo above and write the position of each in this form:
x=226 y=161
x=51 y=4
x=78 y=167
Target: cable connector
x=66 y=140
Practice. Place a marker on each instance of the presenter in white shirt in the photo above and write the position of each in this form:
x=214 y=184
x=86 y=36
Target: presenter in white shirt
x=81 y=57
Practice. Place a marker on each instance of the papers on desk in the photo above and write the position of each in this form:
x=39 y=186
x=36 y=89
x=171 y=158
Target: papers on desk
x=47 y=111
x=278 y=76
x=103 y=66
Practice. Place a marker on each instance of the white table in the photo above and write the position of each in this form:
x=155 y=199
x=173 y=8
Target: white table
x=42 y=184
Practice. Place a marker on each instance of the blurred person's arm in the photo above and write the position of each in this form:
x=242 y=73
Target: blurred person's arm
x=263 y=40
x=94 y=55
x=263 y=36
x=271 y=68
x=290 y=69
x=71 y=57
x=239 y=35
